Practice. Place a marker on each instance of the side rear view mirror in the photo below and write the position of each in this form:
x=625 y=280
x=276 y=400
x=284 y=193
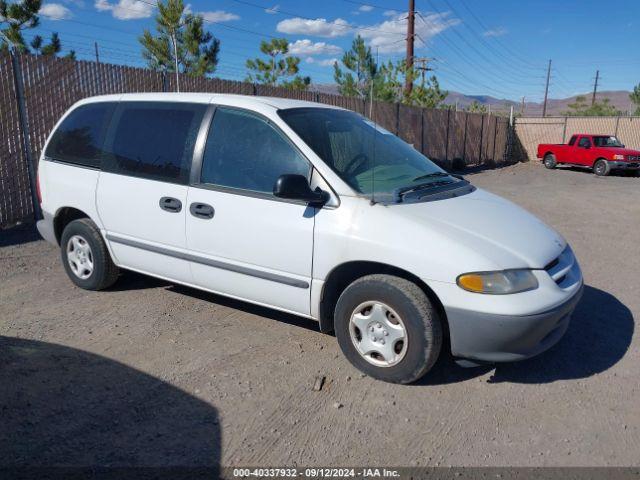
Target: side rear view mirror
x=296 y=187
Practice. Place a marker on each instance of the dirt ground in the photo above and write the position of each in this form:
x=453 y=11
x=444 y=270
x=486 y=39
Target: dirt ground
x=150 y=373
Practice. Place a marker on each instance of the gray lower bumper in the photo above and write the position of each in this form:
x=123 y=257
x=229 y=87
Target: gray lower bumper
x=624 y=165
x=45 y=228
x=503 y=338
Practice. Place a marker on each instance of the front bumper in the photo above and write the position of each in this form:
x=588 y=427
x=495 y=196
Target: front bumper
x=506 y=338
x=620 y=165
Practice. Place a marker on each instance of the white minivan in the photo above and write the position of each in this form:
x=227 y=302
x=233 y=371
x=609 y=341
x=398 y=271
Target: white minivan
x=308 y=209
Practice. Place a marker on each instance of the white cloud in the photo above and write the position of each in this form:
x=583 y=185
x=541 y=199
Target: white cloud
x=390 y=13
x=328 y=62
x=219 y=16
x=125 y=9
x=55 y=11
x=307 y=47
x=365 y=8
x=319 y=27
x=273 y=10
x=389 y=36
x=496 y=32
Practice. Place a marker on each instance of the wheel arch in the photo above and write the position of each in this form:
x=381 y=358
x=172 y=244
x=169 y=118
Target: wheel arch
x=63 y=217
x=344 y=274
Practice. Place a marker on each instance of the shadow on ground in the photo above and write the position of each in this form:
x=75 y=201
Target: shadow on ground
x=598 y=337
x=18 y=235
x=65 y=407
x=250 y=308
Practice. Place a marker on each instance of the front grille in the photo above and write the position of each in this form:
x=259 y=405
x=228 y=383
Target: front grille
x=560 y=269
x=633 y=158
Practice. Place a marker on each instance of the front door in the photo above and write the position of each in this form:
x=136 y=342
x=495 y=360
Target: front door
x=243 y=241
x=143 y=186
x=583 y=152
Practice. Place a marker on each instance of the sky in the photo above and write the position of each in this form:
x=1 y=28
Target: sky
x=499 y=48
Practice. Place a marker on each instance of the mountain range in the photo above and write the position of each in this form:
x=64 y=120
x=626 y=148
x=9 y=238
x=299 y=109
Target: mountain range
x=555 y=106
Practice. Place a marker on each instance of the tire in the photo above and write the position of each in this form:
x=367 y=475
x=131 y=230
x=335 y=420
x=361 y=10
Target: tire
x=383 y=306
x=550 y=161
x=85 y=256
x=601 y=168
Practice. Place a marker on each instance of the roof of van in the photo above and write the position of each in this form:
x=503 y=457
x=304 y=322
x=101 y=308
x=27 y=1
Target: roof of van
x=224 y=98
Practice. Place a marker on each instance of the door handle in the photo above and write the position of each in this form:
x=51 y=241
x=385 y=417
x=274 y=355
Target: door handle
x=201 y=210
x=170 y=204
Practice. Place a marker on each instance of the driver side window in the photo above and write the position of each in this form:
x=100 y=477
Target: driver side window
x=244 y=151
x=584 y=142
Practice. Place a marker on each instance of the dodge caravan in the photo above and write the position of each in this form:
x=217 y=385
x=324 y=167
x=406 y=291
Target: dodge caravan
x=308 y=209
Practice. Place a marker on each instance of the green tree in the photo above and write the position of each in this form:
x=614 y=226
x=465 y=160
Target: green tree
x=278 y=68
x=427 y=93
x=180 y=35
x=360 y=71
x=635 y=98
x=476 y=107
x=14 y=18
x=601 y=108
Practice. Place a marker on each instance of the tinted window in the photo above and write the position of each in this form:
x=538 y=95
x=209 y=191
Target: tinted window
x=153 y=140
x=244 y=151
x=584 y=142
x=573 y=140
x=79 y=137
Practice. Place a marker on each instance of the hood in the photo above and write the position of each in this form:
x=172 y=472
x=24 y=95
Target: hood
x=621 y=151
x=504 y=234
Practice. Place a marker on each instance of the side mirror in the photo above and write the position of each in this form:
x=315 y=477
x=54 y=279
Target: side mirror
x=296 y=187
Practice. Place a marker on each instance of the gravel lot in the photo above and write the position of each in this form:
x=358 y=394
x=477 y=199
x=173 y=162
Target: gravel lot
x=150 y=373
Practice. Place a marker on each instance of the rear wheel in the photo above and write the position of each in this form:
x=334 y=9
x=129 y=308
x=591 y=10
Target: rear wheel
x=387 y=328
x=550 y=161
x=601 y=168
x=85 y=256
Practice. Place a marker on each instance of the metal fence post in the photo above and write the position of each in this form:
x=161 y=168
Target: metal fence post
x=24 y=132
x=397 y=132
x=446 y=145
x=617 y=125
x=164 y=81
x=482 y=136
x=564 y=131
x=464 y=142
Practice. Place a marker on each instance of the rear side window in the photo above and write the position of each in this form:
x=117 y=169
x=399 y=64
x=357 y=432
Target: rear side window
x=153 y=140
x=80 y=136
x=573 y=140
x=245 y=151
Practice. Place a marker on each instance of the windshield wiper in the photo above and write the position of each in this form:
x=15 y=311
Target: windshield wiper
x=402 y=191
x=430 y=175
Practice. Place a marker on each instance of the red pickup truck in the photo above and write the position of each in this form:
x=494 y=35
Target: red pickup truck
x=602 y=153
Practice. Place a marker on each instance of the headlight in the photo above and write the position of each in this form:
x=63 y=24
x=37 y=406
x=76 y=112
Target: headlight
x=498 y=283
x=618 y=157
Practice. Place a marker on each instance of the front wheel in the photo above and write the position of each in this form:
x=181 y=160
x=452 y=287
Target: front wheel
x=85 y=256
x=387 y=328
x=601 y=168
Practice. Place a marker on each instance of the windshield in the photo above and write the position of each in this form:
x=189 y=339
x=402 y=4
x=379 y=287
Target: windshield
x=367 y=157
x=607 y=141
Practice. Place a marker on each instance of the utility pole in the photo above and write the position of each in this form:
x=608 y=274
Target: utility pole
x=422 y=62
x=546 y=91
x=595 y=88
x=95 y=44
x=411 y=20
x=522 y=107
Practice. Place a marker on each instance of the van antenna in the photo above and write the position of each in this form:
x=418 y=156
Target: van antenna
x=375 y=131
